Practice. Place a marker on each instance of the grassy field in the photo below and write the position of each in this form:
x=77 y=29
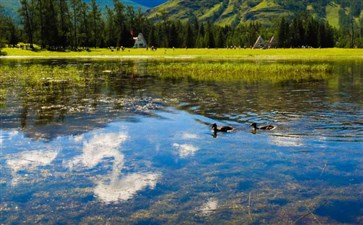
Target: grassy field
x=332 y=54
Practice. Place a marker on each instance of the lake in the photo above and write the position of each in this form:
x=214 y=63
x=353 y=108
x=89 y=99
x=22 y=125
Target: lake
x=121 y=146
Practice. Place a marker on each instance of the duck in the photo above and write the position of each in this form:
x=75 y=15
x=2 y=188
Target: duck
x=221 y=128
x=268 y=127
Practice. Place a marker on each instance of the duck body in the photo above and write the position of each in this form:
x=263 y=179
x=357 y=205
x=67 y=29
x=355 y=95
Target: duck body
x=268 y=127
x=221 y=128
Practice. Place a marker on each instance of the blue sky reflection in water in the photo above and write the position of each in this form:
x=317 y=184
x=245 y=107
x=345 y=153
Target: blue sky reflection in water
x=153 y=158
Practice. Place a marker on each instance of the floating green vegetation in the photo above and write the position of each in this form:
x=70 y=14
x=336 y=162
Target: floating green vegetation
x=247 y=72
x=37 y=75
x=3 y=93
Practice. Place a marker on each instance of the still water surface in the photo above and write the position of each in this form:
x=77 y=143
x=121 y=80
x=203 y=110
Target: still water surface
x=137 y=149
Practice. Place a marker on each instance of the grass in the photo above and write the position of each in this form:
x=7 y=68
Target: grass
x=247 y=72
x=36 y=75
x=35 y=79
x=332 y=54
x=47 y=76
x=212 y=11
x=265 y=4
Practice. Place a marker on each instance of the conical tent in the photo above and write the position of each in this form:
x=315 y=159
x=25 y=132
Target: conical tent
x=260 y=43
x=140 y=41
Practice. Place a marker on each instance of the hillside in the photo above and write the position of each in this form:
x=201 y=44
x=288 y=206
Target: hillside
x=234 y=12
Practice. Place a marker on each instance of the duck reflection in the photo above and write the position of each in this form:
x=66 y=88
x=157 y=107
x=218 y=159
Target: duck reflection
x=114 y=187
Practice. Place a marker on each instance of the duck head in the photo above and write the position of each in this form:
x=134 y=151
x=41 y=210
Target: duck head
x=254 y=125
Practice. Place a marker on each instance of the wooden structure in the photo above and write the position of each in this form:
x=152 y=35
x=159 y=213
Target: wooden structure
x=261 y=43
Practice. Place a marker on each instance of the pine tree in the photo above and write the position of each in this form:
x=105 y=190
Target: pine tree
x=110 y=28
x=75 y=6
x=188 y=40
x=64 y=24
x=152 y=38
x=209 y=36
x=50 y=26
x=95 y=24
x=283 y=34
x=2 y=27
x=312 y=32
x=84 y=31
x=200 y=42
x=27 y=15
x=119 y=21
x=219 y=39
x=173 y=36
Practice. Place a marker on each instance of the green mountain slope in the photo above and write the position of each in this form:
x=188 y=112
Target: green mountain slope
x=234 y=12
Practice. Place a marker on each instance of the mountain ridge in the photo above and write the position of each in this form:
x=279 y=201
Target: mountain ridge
x=235 y=12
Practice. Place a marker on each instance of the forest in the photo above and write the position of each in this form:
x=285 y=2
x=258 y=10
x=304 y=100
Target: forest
x=61 y=25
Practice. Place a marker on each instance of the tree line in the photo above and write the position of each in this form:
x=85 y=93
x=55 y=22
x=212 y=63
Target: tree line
x=74 y=24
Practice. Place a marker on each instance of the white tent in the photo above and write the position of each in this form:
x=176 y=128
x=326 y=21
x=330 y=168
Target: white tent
x=140 y=41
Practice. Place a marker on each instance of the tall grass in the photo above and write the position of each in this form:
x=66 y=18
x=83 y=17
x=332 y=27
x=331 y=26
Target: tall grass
x=39 y=75
x=46 y=76
x=249 y=72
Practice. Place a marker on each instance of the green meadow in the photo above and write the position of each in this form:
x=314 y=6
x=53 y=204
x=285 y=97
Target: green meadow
x=331 y=54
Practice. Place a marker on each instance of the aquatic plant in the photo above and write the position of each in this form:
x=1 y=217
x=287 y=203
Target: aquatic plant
x=248 y=72
x=40 y=75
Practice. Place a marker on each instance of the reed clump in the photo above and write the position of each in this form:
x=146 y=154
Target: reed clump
x=249 y=72
x=37 y=75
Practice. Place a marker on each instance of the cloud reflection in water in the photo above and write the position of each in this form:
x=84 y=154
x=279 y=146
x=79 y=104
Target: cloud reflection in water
x=101 y=146
x=185 y=150
x=186 y=135
x=114 y=187
x=29 y=161
x=286 y=141
x=123 y=189
x=209 y=207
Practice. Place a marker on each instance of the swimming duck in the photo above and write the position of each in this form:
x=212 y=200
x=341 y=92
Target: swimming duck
x=222 y=128
x=268 y=127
